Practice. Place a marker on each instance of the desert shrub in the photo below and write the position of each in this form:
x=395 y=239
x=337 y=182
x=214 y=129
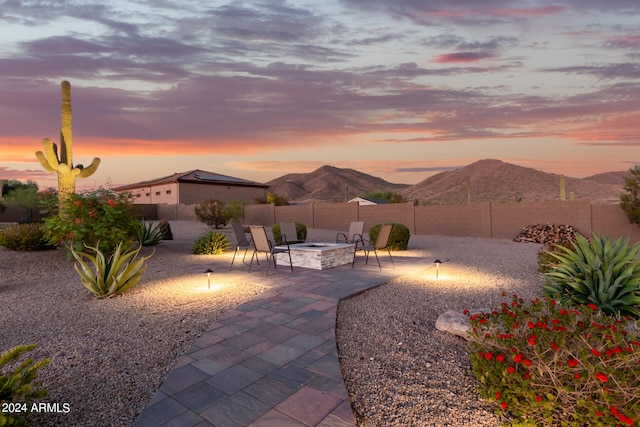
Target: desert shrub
x=107 y=275
x=630 y=199
x=542 y=363
x=301 y=233
x=211 y=243
x=149 y=234
x=599 y=272
x=234 y=210
x=399 y=239
x=18 y=384
x=99 y=218
x=26 y=199
x=24 y=237
x=213 y=213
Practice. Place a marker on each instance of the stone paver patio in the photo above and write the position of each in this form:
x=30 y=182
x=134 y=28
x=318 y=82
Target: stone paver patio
x=272 y=361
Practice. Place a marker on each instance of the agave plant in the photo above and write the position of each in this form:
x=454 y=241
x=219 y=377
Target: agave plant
x=600 y=272
x=149 y=234
x=211 y=243
x=111 y=275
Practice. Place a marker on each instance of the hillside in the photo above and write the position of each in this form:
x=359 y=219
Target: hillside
x=497 y=181
x=329 y=184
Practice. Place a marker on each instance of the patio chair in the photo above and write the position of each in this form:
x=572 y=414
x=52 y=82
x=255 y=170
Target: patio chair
x=241 y=242
x=288 y=233
x=382 y=242
x=354 y=235
x=261 y=243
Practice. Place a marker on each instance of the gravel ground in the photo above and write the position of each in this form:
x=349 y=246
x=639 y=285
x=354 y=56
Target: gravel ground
x=399 y=370
x=109 y=356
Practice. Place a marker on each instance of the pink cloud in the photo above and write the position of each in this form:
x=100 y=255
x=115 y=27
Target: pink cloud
x=464 y=57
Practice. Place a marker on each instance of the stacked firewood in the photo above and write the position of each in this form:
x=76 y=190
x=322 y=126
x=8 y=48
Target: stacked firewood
x=546 y=233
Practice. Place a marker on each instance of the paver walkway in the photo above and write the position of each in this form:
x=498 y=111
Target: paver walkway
x=272 y=361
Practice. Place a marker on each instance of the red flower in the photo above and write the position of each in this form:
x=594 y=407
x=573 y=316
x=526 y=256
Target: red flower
x=482 y=321
x=595 y=352
x=511 y=369
x=592 y=306
x=465 y=311
x=527 y=362
x=531 y=325
x=538 y=399
x=576 y=376
x=488 y=355
x=504 y=406
x=572 y=362
x=500 y=358
x=518 y=358
x=563 y=311
x=599 y=413
x=602 y=377
x=111 y=202
x=480 y=354
x=498 y=395
x=554 y=346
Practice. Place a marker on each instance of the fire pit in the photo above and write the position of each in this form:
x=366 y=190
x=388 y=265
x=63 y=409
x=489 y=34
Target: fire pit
x=318 y=256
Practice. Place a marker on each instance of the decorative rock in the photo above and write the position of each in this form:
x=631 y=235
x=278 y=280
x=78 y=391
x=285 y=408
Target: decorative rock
x=454 y=322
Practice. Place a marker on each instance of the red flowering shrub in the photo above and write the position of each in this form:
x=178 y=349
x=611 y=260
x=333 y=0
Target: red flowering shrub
x=545 y=364
x=99 y=218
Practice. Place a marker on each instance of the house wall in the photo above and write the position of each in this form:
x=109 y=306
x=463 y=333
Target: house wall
x=193 y=193
x=155 y=194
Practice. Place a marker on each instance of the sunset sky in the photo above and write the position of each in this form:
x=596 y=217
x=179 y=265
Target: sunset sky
x=398 y=89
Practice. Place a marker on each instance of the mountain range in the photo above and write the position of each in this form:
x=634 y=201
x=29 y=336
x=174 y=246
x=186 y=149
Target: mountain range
x=483 y=181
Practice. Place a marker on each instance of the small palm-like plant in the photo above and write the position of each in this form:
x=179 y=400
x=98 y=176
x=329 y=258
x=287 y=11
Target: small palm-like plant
x=211 y=243
x=149 y=234
x=111 y=275
x=601 y=272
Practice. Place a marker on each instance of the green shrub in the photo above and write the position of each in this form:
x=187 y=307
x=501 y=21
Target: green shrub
x=113 y=274
x=630 y=199
x=546 y=364
x=301 y=233
x=18 y=385
x=24 y=237
x=399 y=239
x=599 y=272
x=211 y=243
x=149 y=234
x=214 y=213
x=98 y=218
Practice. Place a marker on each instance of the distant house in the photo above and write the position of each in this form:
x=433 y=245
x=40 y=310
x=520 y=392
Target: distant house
x=368 y=201
x=194 y=187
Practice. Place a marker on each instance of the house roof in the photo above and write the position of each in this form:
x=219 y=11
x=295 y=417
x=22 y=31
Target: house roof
x=372 y=200
x=196 y=176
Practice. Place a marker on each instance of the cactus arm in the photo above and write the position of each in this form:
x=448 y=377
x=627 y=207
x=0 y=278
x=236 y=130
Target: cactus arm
x=48 y=159
x=44 y=162
x=89 y=170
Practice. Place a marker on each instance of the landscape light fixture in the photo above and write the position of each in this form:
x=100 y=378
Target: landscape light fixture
x=437 y=262
x=208 y=271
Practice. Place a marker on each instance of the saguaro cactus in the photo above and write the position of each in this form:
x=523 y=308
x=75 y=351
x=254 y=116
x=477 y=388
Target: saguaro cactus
x=63 y=164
